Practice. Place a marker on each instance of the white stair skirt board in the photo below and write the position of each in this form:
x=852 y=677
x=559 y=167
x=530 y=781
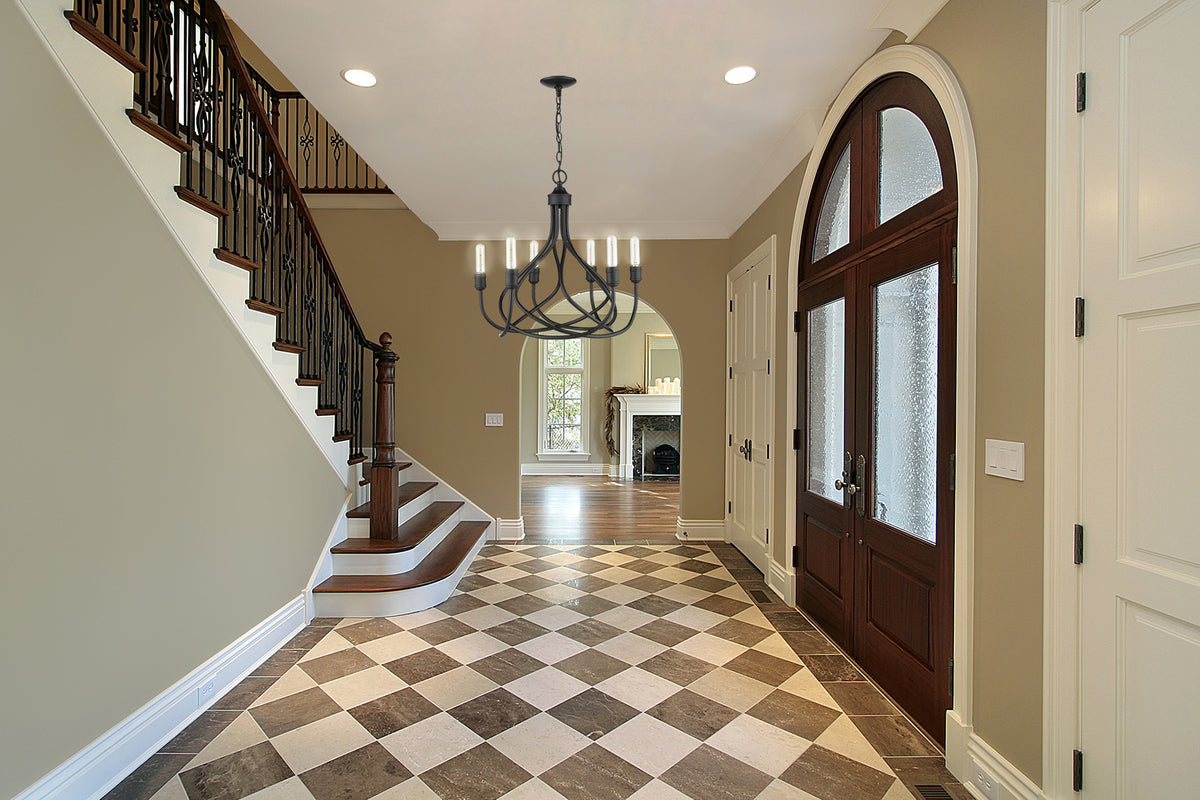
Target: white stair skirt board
x=393 y=604
x=106 y=89
x=360 y=527
x=584 y=468
x=508 y=530
x=104 y=763
x=700 y=530
x=965 y=749
x=782 y=580
x=392 y=563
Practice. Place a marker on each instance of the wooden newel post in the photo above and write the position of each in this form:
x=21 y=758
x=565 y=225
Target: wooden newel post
x=384 y=481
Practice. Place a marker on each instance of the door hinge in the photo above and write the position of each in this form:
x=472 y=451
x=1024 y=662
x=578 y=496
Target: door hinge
x=1078 y=317
x=730 y=306
x=795 y=322
x=795 y=438
x=1080 y=92
x=953 y=471
x=1078 y=544
x=952 y=676
x=954 y=265
x=1077 y=770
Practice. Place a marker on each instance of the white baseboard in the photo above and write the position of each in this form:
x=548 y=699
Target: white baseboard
x=782 y=581
x=97 y=768
x=965 y=750
x=543 y=468
x=508 y=530
x=700 y=530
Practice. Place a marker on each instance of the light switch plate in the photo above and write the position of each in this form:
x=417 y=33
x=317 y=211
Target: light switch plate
x=1004 y=459
x=493 y=420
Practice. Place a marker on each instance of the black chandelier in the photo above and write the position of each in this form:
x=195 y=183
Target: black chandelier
x=591 y=312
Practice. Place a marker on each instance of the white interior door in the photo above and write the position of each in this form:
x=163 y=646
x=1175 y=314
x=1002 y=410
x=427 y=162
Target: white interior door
x=1140 y=413
x=750 y=405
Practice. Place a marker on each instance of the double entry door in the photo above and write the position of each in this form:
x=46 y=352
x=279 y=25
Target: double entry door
x=875 y=494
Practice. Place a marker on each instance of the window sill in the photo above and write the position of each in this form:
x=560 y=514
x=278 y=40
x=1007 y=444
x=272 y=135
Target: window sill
x=562 y=455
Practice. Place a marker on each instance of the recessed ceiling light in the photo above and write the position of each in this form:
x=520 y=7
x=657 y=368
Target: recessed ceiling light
x=740 y=75
x=358 y=77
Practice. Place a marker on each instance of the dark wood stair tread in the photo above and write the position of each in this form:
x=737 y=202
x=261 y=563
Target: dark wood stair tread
x=408 y=492
x=399 y=466
x=408 y=535
x=230 y=257
x=288 y=347
x=200 y=201
x=438 y=565
x=90 y=32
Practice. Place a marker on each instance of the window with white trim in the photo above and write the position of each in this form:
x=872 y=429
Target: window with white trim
x=563 y=406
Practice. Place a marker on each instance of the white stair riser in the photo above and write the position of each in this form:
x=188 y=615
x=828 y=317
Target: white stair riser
x=392 y=604
x=361 y=527
x=392 y=563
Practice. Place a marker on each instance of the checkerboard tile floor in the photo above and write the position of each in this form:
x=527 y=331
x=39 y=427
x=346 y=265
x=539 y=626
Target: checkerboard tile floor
x=556 y=671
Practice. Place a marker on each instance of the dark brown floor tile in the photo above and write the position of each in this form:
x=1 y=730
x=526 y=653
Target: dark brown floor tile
x=422 y=666
x=741 y=632
x=590 y=632
x=764 y=667
x=860 y=698
x=237 y=774
x=832 y=668
x=291 y=712
x=808 y=643
x=595 y=774
x=507 y=665
x=442 y=631
x=530 y=583
x=307 y=638
x=707 y=583
x=358 y=775
x=708 y=774
x=665 y=632
x=642 y=566
x=145 y=781
x=588 y=583
x=637 y=551
x=722 y=605
x=368 y=630
x=915 y=770
x=794 y=714
x=591 y=666
x=535 y=565
x=241 y=696
x=388 y=714
x=689 y=551
x=516 y=631
x=539 y=551
x=278 y=663
x=337 y=665
x=788 y=621
x=593 y=713
x=658 y=606
x=591 y=566
x=648 y=583
x=483 y=565
x=325 y=622
x=460 y=603
x=588 y=551
x=481 y=773
x=523 y=604
x=699 y=567
x=894 y=736
x=832 y=776
x=693 y=714
x=470 y=583
x=677 y=667
x=491 y=550
x=200 y=732
x=494 y=712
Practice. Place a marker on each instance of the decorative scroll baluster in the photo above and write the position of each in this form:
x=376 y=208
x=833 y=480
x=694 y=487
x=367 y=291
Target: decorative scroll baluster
x=160 y=98
x=129 y=20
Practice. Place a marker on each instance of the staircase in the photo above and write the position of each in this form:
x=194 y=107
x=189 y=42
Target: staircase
x=407 y=547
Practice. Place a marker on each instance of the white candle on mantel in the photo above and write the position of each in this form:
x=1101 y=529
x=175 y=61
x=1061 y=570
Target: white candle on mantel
x=479 y=259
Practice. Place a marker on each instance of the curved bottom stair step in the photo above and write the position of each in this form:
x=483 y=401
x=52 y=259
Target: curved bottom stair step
x=409 y=535
x=408 y=492
x=430 y=583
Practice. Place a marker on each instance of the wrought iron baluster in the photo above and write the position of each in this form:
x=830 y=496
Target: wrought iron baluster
x=161 y=99
x=129 y=21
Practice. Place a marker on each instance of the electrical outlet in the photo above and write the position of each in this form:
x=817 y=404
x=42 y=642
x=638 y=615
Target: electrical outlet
x=205 y=692
x=493 y=420
x=986 y=784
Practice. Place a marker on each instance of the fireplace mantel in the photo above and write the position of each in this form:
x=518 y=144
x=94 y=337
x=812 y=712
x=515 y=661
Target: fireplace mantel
x=641 y=405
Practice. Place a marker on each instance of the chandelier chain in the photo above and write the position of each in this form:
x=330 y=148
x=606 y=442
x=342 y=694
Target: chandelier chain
x=559 y=176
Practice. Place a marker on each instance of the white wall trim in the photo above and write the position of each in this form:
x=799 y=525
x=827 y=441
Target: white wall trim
x=508 y=530
x=324 y=568
x=1012 y=784
x=700 y=530
x=930 y=68
x=100 y=766
x=907 y=16
x=782 y=580
x=570 y=468
x=419 y=472
x=1060 y=657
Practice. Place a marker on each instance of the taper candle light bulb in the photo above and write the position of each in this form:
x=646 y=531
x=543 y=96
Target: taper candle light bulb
x=612 y=251
x=510 y=253
x=591 y=252
x=635 y=252
x=533 y=250
x=479 y=259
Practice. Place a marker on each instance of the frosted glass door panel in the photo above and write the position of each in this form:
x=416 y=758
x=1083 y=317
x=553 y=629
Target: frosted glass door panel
x=905 y=403
x=833 y=224
x=826 y=397
x=909 y=170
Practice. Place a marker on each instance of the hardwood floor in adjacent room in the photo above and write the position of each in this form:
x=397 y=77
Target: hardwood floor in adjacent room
x=598 y=509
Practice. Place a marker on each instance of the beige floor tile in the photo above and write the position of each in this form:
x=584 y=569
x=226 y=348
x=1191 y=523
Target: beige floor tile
x=806 y=685
x=332 y=643
x=712 y=649
x=778 y=790
x=243 y=732
x=899 y=792
x=324 y=740
x=533 y=790
x=555 y=617
x=631 y=648
x=389 y=648
x=843 y=737
x=696 y=618
x=676 y=575
x=657 y=790
x=540 y=742
x=620 y=594
x=682 y=594
x=431 y=741
x=649 y=744
x=759 y=744
x=454 y=687
x=411 y=789
x=638 y=688
x=731 y=689
x=359 y=687
x=557 y=593
x=625 y=618
x=485 y=617
x=291 y=789
x=294 y=680
x=776 y=646
x=551 y=648
x=546 y=688
x=172 y=791
x=561 y=575
x=618 y=574
x=472 y=647
x=751 y=615
x=504 y=574
x=496 y=594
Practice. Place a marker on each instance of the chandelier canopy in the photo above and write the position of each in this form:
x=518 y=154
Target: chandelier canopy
x=589 y=299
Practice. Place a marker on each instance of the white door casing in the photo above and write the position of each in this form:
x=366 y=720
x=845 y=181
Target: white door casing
x=750 y=405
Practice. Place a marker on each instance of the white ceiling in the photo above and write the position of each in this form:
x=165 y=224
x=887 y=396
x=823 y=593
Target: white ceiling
x=655 y=143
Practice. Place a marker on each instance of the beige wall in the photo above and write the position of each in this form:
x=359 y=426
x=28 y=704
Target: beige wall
x=997 y=50
x=160 y=499
x=453 y=367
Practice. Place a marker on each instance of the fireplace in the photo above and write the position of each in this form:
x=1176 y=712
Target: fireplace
x=650 y=424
